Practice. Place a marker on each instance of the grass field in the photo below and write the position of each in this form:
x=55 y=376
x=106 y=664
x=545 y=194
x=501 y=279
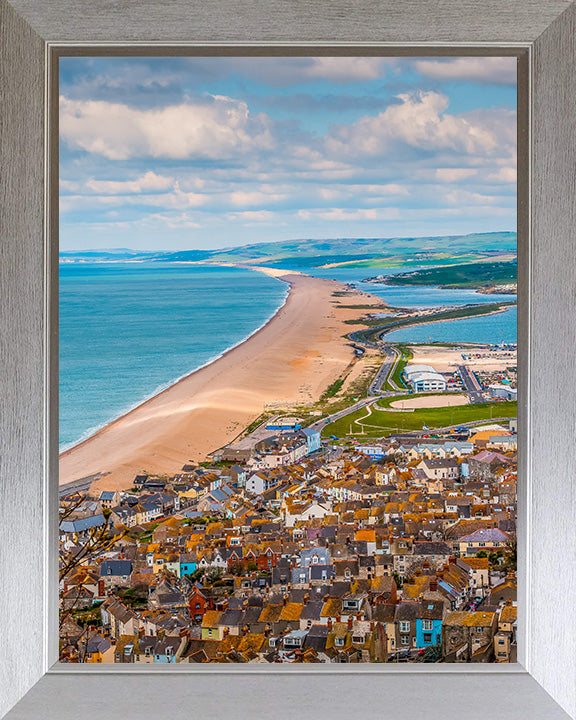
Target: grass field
x=480 y=274
x=374 y=422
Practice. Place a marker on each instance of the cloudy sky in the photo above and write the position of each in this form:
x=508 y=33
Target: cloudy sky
x=172 y=153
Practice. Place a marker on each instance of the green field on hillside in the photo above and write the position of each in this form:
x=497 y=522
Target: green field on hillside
x=374 y=422
x=480 y=274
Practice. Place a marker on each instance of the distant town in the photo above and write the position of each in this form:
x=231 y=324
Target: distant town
x=377 y=526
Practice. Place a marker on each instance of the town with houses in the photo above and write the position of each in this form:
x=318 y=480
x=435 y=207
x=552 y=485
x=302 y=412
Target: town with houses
x=290 y=547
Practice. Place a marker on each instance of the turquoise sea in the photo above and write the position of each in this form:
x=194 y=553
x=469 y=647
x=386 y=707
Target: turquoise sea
x=129 y=330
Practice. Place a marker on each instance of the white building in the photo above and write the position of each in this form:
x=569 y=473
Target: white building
x=503 y=391
x=423 y=378
x=257 y=484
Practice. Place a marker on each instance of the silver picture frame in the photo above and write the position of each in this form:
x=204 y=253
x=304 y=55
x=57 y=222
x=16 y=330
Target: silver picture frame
x=543 y=37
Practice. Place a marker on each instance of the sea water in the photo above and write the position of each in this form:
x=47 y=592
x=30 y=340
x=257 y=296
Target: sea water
x=129 y=330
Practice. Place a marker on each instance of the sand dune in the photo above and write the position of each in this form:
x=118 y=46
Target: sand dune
x=291 y=360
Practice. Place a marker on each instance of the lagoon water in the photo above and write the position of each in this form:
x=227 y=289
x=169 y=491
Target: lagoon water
x=129 y=330
x=490 y=329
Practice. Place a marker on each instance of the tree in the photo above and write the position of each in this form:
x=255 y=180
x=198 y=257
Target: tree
x=433 y=653
x=98 y=541
x=196 y=575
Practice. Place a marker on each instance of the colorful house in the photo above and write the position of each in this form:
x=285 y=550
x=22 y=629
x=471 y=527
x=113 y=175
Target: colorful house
x=429 y=623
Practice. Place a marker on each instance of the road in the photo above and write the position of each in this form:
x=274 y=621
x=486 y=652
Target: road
x=392 y=356
x=473 y=387
x=81 y=486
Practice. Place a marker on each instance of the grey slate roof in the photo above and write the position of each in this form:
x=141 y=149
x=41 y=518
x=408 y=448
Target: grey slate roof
x=75 y=526
x=115 y=568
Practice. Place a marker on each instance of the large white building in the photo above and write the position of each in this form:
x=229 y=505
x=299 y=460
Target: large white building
x=423 y=378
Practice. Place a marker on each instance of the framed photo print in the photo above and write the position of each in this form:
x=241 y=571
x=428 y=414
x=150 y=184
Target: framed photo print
x=287 y=350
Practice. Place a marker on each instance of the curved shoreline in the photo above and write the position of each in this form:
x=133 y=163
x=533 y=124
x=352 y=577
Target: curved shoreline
x=290 y=360
x=179 y=380
x=89 y=434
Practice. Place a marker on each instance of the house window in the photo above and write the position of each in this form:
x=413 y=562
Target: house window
x=427 y=637
x=347 y=573
x=479 y=629
x=339 y=642
x=197 y=606
x=502 y=654
x=358 y=639
x=501 y=642
x=404 y=626
x=404 y=639
x=427 y=624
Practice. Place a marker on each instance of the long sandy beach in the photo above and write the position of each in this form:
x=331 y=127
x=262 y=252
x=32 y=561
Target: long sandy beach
x=291 y=360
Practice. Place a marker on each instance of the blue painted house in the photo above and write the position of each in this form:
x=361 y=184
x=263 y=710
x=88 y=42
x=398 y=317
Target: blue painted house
x=429 y=623
x=188 y=564
x=165 y=650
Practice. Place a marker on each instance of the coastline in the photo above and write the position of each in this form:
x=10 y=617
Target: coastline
x=166 y=386
x=291 y=359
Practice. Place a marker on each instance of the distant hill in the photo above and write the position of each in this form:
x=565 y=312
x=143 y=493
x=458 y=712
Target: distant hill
x=349 y=252
x=106 y=253
x=367 y=252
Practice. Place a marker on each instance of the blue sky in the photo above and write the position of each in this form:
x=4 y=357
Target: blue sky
x=181 y=153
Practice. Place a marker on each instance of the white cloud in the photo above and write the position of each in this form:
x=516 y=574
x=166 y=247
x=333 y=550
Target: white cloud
x=505 y=174
x=149 y=182
x=217 y=127
x=464 y=197
x=497 y=70
x=346 y=69
x=454 y=174
x=420 y=121
x=176 y=200
x=245 y=198
x=252 y=215
x=342 y=214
